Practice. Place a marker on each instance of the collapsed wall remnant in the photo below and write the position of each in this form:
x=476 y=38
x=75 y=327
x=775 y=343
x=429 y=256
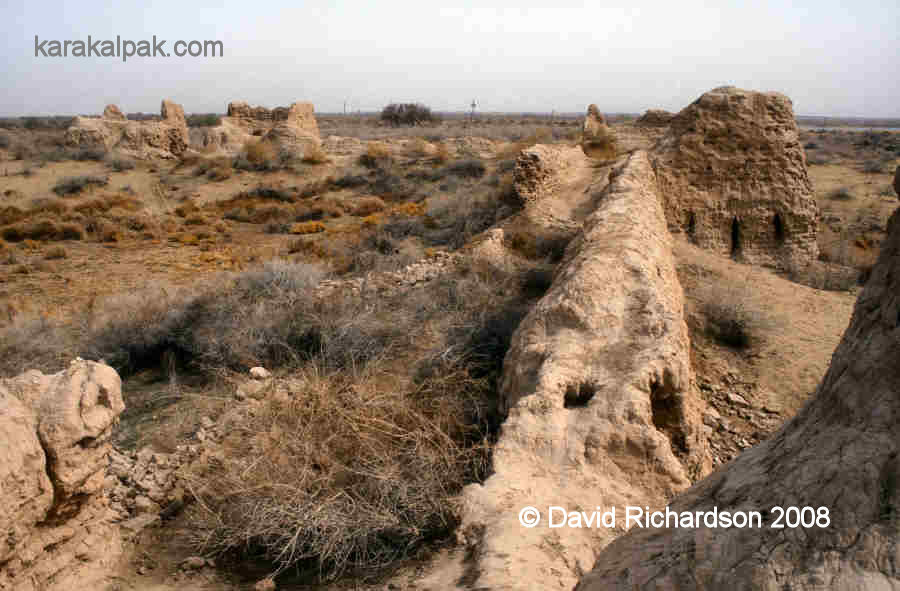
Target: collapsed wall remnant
x=167 y=138
x=55 y=436
x=840 y=457
x=597 y=387
x=541 y=170
x=292 y=129
x=655 y=118
x=597 y=139
x=733 y=178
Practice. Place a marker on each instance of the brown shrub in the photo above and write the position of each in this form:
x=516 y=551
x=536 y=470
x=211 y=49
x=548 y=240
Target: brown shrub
x=56 y=252
x=442 y=154
x=307 y=228
x=316 y=155
x=377 y=155
x=261 y=154
x=367 y=205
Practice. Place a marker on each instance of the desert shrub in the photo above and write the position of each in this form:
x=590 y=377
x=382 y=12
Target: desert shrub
x=259 y=155
x=377 y=155
x=42 y=230
x=810 y=146
x=367 y=206
x=88 y=154
x=876 y=166
x=818 y=160
x=120 y=164
x=391 y=186
x=315 y=155
x=417 y=148
x=56 y=252
x=442 y=154
x=538 y=246
x=22 y=151
x=74 y=185
x=4 y=141
x=363 y=464
x=731 y=317
x=397 y=114
x=468 y=168
x=307 y=228
x=203 y=120
x=269 y=192
x=841 y=194
x=350 y=181
x=219 y=173
x=277 y=228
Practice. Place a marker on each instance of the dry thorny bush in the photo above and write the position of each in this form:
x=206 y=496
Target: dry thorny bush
x=390 y=403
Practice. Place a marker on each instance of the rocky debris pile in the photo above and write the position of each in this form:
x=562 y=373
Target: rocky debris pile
x=292 y=129
x=541 y=170
x=732 y=421
x=55 y=432
x=167 y=138
x=733 y=177
x=144 y=485
x=597 y=391
x=414 y=275
x=655 y=118
x=840 y=456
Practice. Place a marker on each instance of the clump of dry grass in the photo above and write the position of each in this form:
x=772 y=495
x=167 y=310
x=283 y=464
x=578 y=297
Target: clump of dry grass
x=731 y=316
x=56 y=252
x=260 y=155
x=315 y=155
x=377 y=155
x=307 y=228
x=367 y=205
x=76 y=184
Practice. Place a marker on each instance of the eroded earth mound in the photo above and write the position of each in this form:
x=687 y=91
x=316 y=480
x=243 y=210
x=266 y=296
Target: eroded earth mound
x=55 y=436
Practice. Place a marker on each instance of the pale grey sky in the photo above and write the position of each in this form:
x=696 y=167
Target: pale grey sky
x=832 y=57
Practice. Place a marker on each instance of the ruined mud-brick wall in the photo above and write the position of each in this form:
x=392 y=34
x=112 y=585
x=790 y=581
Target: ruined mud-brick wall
x=597 y=389
x=733 y=177
x=113 y=132
x=293 y=129
x=840 y=456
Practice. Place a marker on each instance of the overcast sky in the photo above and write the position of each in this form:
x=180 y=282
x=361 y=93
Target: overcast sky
x=832 y=57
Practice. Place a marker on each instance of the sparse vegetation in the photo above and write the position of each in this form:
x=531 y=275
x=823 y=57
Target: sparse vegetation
x=120 y=163
x=74 y=185
x=841 y=194
x=731 y=319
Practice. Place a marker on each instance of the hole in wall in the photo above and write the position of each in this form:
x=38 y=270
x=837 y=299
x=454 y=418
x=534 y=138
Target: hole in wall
x=778 y=227
x=692 y=226
x=735 y=237
x=667 y=416
x=578 y=395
